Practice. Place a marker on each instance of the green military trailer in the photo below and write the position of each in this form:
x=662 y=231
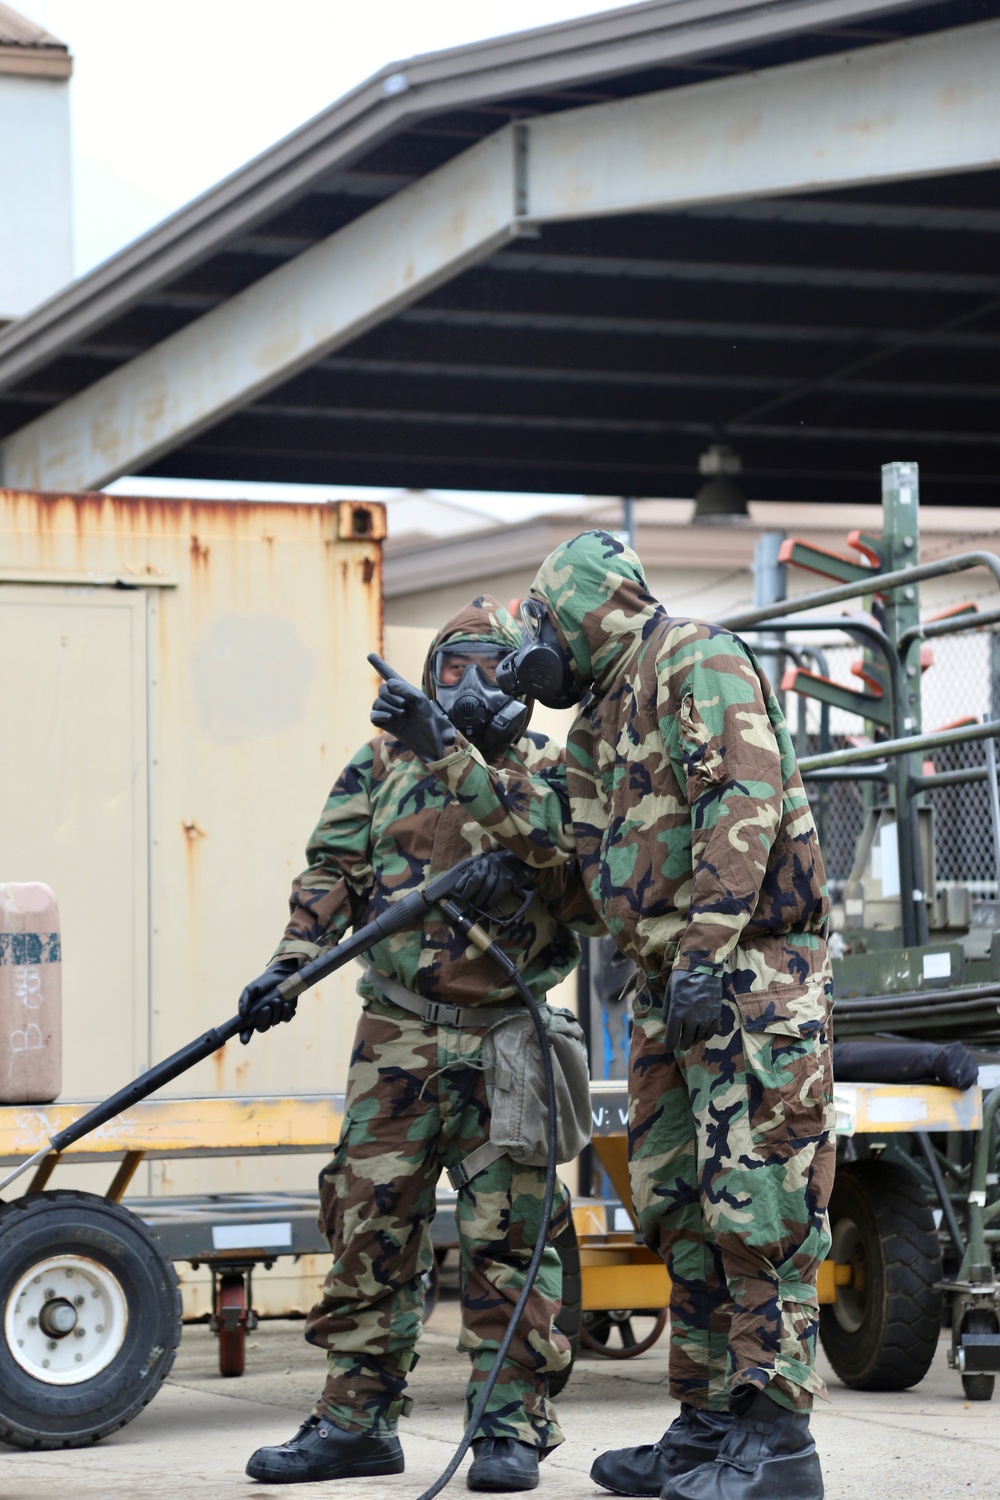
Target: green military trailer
x=915 y=1213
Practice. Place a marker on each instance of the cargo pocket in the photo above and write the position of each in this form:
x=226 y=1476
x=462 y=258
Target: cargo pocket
x=786 y=1053
x=333 y=1186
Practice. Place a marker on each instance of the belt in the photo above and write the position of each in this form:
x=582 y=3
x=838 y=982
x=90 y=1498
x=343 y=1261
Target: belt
x=438 y=1012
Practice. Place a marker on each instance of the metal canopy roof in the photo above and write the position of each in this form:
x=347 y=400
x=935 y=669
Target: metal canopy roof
x=819 y=335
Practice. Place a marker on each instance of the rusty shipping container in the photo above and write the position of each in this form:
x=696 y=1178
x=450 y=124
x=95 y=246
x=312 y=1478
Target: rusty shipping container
x=181 y=682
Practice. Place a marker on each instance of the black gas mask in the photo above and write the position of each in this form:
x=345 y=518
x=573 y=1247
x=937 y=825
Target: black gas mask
x=540 y=667
x=463 y=674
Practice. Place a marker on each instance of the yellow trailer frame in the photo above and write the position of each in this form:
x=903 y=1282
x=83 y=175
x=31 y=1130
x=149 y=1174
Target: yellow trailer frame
x=617 y=1272
x=261 y=1125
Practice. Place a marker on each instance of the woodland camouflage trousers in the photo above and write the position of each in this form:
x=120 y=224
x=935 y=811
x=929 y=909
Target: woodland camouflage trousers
x=731 y=1157
x=416 y=1101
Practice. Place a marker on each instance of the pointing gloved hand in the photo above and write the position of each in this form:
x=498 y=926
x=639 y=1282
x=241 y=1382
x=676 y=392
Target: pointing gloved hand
x=490 y=878
x=692 y=1008
x=277 y=1010
x=408 y=713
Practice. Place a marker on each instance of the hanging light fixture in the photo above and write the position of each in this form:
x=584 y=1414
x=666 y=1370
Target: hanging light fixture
x=720 y=498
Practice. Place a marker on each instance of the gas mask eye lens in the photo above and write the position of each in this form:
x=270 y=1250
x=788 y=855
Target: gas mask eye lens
x=532 y=613
x=452 y=662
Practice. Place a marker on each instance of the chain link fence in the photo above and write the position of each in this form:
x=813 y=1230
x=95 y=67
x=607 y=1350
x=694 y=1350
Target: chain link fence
x=963 y=682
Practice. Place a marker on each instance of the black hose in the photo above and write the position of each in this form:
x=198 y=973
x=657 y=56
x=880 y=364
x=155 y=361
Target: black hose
x=459 y=919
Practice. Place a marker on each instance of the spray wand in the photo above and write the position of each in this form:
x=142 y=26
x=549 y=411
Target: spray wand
x=400 y=915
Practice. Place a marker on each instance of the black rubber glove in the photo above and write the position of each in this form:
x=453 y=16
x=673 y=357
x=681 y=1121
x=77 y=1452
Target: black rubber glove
x=490 y=878
x=408 y=713
x=263 y=1017
x=692 y=1009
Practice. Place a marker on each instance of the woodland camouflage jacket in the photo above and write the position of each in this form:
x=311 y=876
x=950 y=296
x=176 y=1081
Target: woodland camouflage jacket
x=688 y=814
x=389 y=825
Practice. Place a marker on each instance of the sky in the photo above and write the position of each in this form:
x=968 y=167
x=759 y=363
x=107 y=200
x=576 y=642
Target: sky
x=168 y=98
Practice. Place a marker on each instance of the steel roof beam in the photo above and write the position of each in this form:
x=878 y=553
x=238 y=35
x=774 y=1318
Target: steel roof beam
x=582 y=266
x=253 y=422
x=887 y=112
x=856 y=214
x=726 y=329
x=908 y=109
x=284 y=322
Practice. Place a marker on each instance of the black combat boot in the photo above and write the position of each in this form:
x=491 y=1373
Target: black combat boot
x=503 y=1464
x=320 y=1450
x=769 y=1454
x=694 y=1438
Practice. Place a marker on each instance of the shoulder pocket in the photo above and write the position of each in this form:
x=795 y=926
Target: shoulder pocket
x=702 y=757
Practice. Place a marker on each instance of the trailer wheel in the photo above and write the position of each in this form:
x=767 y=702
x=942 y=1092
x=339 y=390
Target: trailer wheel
x=881 y=1332
x=568 y=1321
x=91 y=1319
x=979 y=1387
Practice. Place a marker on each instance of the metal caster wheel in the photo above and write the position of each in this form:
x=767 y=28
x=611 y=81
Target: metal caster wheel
x=231 y=1315
x=595 y=1333
x=979 y=1386
x=91 y=1319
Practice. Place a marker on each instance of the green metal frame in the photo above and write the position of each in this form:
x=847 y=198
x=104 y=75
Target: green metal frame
x=967 y=1191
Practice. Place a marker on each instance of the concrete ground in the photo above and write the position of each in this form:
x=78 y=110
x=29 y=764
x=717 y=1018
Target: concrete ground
x=196 y=1435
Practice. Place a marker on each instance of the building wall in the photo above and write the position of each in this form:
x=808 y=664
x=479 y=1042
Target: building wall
x=36 y=230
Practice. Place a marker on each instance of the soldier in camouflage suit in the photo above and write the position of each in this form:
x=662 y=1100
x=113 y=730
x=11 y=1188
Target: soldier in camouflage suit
x=416 y=1102
x=691 y=825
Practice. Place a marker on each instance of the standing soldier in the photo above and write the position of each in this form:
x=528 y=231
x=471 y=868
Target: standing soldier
x=416 y=1096
x=694 y=835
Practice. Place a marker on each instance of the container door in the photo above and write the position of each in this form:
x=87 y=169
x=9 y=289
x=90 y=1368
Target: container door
x=73 y=808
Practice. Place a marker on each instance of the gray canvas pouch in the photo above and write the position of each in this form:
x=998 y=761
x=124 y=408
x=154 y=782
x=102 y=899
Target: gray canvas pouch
x=515 y=1088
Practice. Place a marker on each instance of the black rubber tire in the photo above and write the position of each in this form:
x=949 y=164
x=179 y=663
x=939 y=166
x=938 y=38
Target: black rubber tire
x=979 y=1387
x=570 y=1315
x=883 y=1334
x=34 y=1414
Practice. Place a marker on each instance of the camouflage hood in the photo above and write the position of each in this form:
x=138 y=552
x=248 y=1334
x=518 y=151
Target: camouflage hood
x=482 y=620
x=596 y=592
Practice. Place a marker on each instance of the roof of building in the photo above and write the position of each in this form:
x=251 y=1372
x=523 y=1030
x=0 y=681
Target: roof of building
x=607 y=354
x=26 y=47
x=669 y=538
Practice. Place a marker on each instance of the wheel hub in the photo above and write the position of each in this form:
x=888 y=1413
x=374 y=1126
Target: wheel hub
x=850 y=1299
x=65 y=1319
x=57 y=1318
